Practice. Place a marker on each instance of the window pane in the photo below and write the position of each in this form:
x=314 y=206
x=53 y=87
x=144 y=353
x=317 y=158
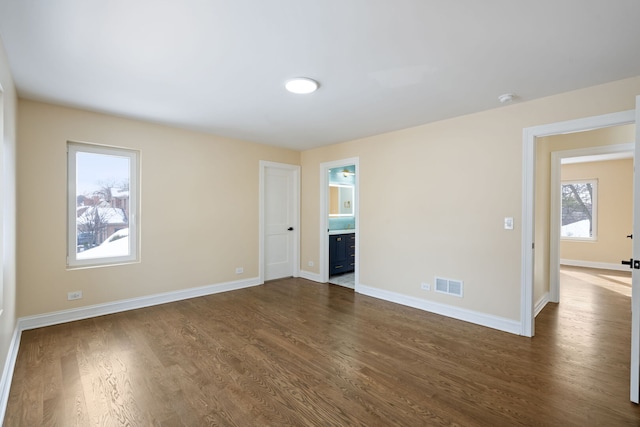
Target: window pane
x=102 y=205
x=577 y=210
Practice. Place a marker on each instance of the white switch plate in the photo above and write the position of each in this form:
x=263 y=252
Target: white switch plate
x=508 y=223
x=310 y=263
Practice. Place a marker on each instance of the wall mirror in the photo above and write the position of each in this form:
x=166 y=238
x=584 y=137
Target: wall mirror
x=340 y=200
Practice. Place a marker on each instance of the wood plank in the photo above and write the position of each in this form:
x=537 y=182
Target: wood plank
x=293 y=352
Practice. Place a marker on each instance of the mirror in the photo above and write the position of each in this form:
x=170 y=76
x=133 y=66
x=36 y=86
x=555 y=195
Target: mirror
x=340 y=200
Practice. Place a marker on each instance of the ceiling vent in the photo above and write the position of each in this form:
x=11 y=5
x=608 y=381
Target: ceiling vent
x=449 y=286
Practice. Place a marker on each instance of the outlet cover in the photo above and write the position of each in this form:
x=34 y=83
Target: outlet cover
x=239 y=270
x=74 y=295
x=425 y=287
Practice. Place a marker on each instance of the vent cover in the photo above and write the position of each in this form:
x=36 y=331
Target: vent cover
x=449 y=286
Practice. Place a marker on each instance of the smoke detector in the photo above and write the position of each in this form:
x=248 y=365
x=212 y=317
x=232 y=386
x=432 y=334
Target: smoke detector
x=506 y=98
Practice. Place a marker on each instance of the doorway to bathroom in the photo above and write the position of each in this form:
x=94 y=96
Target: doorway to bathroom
x=339 y=251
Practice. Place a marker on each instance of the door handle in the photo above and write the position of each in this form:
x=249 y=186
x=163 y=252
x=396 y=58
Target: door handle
x=632 y=263
x=290 y=228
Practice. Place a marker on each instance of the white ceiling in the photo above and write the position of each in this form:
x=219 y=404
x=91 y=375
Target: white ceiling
x=219 y=66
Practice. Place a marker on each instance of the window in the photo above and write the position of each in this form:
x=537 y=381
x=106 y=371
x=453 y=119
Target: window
x=579 y=219
x=102 y=205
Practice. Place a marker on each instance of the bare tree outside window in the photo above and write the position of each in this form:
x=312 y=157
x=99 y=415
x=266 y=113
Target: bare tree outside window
x=579 y=210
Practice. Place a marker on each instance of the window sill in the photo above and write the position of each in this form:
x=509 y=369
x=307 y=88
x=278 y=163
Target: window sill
x=89 y=266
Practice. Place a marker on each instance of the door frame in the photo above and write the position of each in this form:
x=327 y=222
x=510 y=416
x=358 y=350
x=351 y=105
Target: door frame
x=295 y=197
x=529 y=137
x=324 y=218
x=556 y=205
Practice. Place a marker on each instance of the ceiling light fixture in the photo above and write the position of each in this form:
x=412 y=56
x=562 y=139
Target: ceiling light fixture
x=301 y=85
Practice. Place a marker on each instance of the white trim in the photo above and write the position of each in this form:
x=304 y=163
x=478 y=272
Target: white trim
x=5 y=204
x=314 y=277
x=64 y=316
x=634 y=375
x=557 y=158
x=133 y=156
x=529 y=136
x=528 y=210
x=489 y=321
x=323 y=261
x=594 y=264
x=263 y=164
x=57 y=317
x=7 y=373
x=598 y=158
x=542 y=302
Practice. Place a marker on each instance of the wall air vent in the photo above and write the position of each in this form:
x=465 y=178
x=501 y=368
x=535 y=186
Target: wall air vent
x=449 y=286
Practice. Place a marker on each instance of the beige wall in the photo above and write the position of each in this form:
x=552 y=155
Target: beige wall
x=544 y=148
x=199 y=208
x=433 y=198
x=614 y=211
x=440 y=213
x=8 y=208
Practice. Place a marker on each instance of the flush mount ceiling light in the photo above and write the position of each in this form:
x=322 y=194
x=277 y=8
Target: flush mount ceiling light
x=301 y=85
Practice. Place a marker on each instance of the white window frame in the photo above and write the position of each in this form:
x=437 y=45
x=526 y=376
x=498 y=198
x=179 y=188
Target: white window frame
x=594 y=210
x=134 y=202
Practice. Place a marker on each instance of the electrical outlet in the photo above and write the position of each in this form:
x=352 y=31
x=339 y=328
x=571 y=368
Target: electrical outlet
x=310 y=263
x=74 y=295
x=239 y=270
x=425 y=287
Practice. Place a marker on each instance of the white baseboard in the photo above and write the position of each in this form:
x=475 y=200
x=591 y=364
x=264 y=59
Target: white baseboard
x=54 y=318
x=594 y=264
x=315 y=277
x=48 y=319
x=7 y=373
x=542 y=302
x=494 y=322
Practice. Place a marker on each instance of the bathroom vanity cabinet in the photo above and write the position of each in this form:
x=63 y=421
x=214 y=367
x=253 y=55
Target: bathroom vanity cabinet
x=342 y=253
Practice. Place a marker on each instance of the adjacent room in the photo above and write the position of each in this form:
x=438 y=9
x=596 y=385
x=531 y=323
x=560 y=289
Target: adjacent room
x=292 y=213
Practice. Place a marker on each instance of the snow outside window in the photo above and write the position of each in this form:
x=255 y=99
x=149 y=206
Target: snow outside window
x=102 y=205
x=579 y=210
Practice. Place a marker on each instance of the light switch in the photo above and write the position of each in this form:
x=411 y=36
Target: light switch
x=508 y=223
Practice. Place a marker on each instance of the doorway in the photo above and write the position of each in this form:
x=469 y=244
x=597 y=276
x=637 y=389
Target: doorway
x=530 y=136
x=590 y=218
x=339 y=222
x=609 y=245
x=279 y=221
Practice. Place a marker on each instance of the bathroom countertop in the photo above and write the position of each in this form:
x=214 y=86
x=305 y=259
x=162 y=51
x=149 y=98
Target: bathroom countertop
x=346 y=231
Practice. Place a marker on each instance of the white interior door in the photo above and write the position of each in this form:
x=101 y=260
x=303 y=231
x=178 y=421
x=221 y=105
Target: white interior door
x=280 y=223
x=635 y=281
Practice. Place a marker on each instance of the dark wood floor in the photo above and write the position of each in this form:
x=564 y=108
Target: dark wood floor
x=294 y=352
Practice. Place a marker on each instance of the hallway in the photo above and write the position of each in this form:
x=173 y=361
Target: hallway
x=589 y=331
